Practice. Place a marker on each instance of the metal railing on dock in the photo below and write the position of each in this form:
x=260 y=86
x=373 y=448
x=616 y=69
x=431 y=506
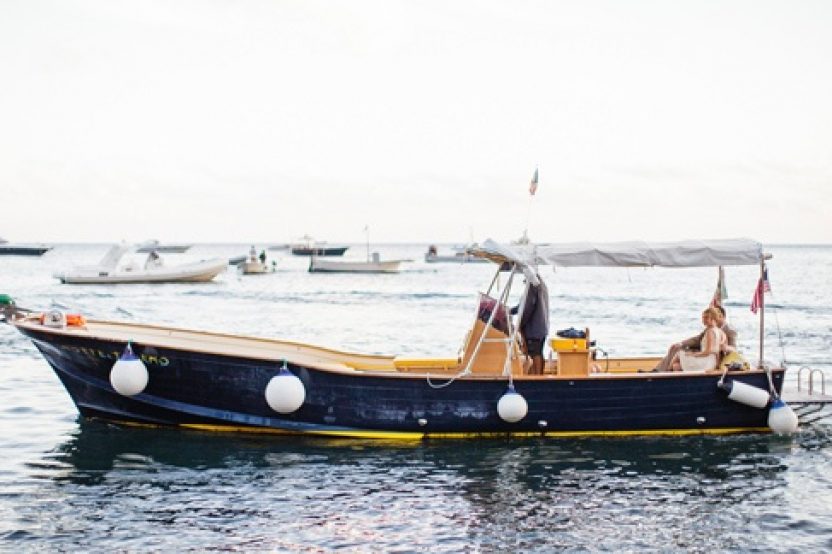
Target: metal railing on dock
x=808 y=403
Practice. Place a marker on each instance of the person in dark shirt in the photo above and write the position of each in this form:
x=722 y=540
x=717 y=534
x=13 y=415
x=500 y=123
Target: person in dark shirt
x=534 y=323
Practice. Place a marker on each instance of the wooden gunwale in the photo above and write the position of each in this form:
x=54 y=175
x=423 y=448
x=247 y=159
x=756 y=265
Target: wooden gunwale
x=326 y=359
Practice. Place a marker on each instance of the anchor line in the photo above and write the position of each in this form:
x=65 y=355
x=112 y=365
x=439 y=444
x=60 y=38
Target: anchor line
x=779 y=331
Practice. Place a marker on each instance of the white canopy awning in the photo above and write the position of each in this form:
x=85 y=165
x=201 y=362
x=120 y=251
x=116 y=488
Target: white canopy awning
x=689 y=253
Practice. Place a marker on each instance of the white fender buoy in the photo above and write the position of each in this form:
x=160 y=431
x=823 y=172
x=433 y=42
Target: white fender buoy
x=746 y=394
x=285 y=393
x=512 y=407
x=129 y=374
x=782 y=419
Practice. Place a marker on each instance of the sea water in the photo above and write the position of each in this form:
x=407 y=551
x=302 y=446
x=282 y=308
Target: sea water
x=73 y=485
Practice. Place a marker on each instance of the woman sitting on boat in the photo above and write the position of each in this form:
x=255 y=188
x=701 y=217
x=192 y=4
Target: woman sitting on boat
x=714 y=341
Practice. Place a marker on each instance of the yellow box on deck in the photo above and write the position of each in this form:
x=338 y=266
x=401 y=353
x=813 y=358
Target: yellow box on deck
x=568 y=345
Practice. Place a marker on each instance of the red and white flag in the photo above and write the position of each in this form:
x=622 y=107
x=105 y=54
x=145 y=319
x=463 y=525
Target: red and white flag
x=533 y=183
x=762 y=287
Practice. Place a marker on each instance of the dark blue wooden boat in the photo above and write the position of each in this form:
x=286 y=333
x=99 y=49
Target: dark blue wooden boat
x=8 y=249
x=307 y=246
x=319 y=250
x=226 y=382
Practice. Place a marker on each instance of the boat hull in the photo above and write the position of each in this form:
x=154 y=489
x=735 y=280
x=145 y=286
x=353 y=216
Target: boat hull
x=224 y=392
x=254 y=268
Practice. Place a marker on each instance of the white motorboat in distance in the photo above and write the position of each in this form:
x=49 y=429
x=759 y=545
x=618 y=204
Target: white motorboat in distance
x=254 y=264
x=110 y=271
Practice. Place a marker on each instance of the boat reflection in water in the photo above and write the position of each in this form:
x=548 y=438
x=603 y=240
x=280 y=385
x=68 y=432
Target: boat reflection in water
x=306 y=493
x=98 y=448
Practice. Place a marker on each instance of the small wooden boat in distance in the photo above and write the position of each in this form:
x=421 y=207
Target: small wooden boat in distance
x=254 y=264
x=373 y=265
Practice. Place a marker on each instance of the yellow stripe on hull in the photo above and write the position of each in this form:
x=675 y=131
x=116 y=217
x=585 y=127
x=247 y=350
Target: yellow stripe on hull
x=406 y=435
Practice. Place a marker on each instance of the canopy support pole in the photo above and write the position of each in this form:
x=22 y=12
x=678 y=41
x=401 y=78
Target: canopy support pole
x=512 y=331
x=500 y=301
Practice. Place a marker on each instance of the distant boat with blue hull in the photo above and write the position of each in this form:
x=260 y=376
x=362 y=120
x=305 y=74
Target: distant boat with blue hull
x=9 y=249
x=307 y=246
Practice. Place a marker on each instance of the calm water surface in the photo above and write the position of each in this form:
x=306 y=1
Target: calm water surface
x=67 y=484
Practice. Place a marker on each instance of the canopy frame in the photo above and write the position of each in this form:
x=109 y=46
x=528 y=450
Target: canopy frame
x=690 y=253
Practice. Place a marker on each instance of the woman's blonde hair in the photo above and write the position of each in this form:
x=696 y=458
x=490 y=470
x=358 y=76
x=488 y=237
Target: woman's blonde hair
x=713 y=313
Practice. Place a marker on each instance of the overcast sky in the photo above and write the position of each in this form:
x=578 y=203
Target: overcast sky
x=230 y=121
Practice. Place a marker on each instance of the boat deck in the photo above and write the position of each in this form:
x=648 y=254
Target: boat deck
x=274 y=350
x=221 y=344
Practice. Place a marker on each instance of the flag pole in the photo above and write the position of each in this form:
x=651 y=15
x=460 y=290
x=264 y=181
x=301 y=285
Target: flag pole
x=532 y=191
x=762 y=286
x=528 y=217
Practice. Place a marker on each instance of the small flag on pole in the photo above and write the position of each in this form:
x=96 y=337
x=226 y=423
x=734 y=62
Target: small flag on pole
x=762 y=287
x=721 y=292
x=533 y=184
